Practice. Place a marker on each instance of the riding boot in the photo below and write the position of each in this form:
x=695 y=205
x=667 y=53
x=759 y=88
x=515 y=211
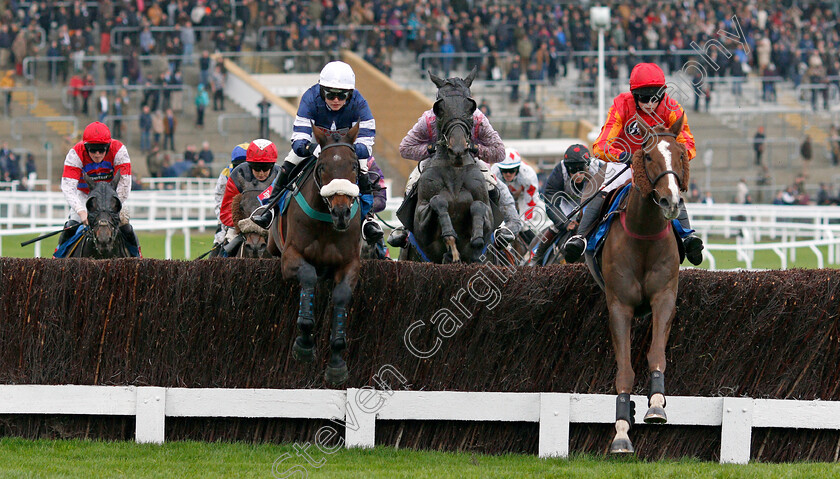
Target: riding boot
x=493 y=193
x=371 y=231
x=365 y=186
x=575 y=245
x=693 y=244
x=69 y=231
x=549 y=234
x=263 y=220
x=398 y=237
x=131 y=241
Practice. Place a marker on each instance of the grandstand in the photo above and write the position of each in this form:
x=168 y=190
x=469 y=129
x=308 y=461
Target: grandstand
x=390 y=53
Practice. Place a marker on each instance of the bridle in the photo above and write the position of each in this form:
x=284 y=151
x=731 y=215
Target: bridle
x=319 y=183
x=666 y=172
x=450 y=125
x=111 y=219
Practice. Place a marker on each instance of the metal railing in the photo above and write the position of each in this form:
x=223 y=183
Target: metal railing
x=77 y=63
x=16 y=133
x=779 y=153
x=118 y=33
x=251 y=126
x=137 y=90
x=30 y=89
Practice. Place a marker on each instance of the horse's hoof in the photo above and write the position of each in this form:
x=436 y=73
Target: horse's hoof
x=656 y=415
x=477 y=243
x=622 y=446
x=336 y=376
x=302 y=353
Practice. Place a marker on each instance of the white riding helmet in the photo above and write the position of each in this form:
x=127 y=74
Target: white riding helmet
x=512 y=160
x=337 y=75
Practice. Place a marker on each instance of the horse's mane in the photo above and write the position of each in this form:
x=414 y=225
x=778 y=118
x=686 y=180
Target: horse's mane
x=640 y=179
x=236 y=209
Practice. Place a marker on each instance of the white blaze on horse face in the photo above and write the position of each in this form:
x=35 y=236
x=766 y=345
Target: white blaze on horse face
x=672 y=181
x=340 y=186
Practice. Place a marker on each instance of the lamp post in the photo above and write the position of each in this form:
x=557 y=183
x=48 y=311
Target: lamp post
x=600 y=18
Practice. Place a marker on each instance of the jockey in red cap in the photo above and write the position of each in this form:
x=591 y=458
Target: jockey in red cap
x=99 y=156
x=620 y=137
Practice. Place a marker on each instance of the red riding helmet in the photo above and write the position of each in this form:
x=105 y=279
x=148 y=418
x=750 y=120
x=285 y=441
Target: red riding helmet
x=646 y=75
x=96 y=132
x=261 y=151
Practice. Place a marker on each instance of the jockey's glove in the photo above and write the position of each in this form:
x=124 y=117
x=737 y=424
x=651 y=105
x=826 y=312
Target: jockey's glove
x=310 y=149
x=431 y=149
x=473 y=148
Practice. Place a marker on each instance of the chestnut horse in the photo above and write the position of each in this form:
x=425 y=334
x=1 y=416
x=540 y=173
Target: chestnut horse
x=640 y=263
x=319 y=235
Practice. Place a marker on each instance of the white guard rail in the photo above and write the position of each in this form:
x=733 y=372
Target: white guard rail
x=357 y=410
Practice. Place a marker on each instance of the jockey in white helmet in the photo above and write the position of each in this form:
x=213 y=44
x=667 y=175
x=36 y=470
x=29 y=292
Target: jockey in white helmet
x=332 y=104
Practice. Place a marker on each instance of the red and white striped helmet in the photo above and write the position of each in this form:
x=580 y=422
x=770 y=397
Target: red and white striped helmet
x=261 y=151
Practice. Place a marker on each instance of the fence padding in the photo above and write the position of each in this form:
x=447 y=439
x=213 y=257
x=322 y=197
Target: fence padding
x=231 y=323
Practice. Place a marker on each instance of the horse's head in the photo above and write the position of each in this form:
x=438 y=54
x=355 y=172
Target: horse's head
x=336 y=173
x=660 y=166
x=242 y=206
x=103 y=207
x=454 y=111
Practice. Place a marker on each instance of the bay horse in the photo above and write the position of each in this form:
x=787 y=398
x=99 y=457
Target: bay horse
x=320 y=235
x=102 y=239
x=640 y=263
x=452 y=199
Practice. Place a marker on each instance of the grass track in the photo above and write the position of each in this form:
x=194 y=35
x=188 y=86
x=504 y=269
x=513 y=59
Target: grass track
x=93 y=459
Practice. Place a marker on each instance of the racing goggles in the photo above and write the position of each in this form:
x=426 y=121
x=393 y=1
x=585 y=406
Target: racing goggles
x=513 y=171
x=575 y=167
x=647 y=97
x=261 y=166
x=97 y=147
x=333 y=94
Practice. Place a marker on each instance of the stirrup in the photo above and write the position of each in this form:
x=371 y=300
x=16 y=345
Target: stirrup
x=259 y=219
x=573 y=248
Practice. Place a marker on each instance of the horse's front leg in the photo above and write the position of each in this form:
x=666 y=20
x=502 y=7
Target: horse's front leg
x=621 y=317
x=294 y=265
x=479 y=212
x=345 y=282
x=440 y=206
x=663 y=306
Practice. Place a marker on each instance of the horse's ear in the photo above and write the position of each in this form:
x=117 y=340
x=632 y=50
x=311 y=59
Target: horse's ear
x=676 y=128
x=319 y=135
x=438 y=81
x=352 y=133
x=88 y=180
x=468 y=81
x=116 y=180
